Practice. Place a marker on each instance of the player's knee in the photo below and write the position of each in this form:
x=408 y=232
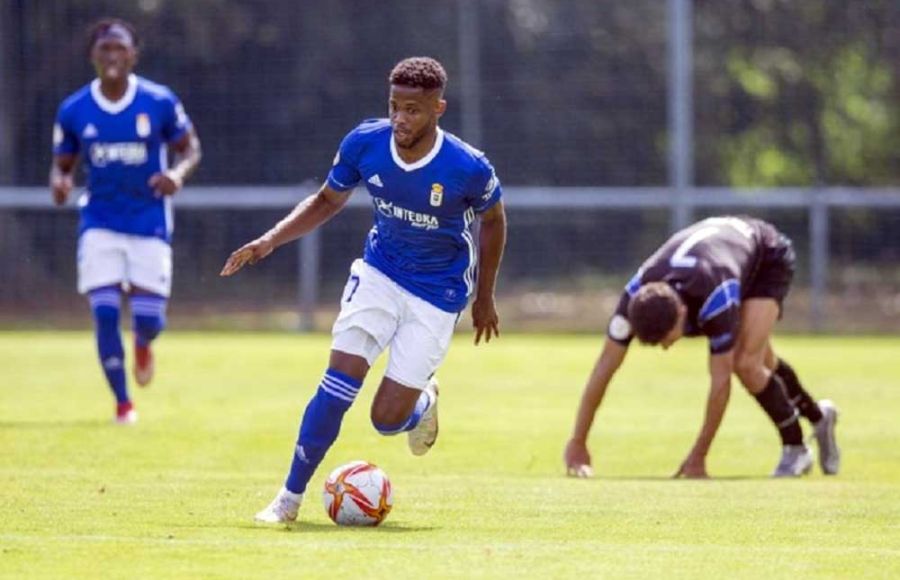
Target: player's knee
x=747 y=365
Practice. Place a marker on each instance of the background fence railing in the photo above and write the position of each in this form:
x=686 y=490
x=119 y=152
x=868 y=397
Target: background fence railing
x=570 y=251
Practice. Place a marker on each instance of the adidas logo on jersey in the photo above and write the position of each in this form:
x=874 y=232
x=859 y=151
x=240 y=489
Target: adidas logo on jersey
x=376 y=181
x=89 y=131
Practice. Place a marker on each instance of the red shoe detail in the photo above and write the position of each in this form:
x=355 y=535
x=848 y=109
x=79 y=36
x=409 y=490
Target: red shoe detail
x=143 y=364
x=125 y=413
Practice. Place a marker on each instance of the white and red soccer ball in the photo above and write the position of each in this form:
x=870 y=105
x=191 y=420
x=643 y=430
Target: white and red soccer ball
x=358 y=494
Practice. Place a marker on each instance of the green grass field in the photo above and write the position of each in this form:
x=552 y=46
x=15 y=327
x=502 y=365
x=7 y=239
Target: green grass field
x=174 y=496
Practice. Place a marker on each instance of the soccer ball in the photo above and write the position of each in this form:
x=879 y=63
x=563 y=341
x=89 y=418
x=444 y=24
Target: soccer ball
x=358 y=494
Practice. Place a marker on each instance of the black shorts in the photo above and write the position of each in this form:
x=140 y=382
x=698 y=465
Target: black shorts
x=775 y=271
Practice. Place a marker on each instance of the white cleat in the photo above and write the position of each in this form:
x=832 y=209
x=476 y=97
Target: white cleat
x=423 y=435
x=829 y=453
x=796 y=460
x=282 y=510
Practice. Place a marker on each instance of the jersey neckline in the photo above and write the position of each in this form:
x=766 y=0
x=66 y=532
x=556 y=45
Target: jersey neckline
x=114 y=107
x=421 y=162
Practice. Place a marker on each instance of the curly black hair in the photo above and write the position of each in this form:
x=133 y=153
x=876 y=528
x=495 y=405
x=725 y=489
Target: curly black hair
x=102 y=26
x=419 y=72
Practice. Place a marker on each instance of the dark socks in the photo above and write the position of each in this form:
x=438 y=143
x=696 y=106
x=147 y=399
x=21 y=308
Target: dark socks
x=773 y=399
x=796 y=394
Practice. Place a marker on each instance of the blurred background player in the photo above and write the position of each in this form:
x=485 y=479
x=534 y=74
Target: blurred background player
x=121 y=126
x=725 y=278
x=416 y=276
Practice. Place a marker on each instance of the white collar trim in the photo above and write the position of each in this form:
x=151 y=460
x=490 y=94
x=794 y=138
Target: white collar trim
x=113 y=107
x=421 y=162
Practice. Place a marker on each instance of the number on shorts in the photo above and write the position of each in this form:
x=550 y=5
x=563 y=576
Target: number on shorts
x=354 y=279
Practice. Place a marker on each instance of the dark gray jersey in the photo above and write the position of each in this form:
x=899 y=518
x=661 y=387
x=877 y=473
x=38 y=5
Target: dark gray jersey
x=711 y=264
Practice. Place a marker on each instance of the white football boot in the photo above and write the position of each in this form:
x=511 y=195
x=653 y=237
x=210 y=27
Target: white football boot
x=829 y=453
x=796 y=460
x=422 y=437
x=283 y=508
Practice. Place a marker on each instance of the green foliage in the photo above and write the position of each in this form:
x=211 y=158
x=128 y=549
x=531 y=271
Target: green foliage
x=173 y=497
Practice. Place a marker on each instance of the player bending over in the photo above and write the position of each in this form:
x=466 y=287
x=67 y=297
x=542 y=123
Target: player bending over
x=417 y=272
x=121 y=125
x=725 y=278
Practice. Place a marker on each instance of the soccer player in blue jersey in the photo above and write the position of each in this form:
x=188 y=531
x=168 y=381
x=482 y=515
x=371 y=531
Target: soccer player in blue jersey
x=121 y=126
x=724 y=278
x=418 y=270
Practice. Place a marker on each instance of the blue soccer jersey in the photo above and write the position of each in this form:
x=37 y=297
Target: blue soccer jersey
x=123 y=143
x=422 y=237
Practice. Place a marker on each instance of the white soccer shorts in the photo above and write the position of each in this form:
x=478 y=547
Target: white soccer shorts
x=376 y=313
x=106 y=258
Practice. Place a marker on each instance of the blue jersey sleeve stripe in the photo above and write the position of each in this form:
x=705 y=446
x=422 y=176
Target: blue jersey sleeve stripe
x=726 y=294
x=337 y=185
x=721 y=343
x=634 y=284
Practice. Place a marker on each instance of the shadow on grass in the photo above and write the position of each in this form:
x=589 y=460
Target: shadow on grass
x=321 y=527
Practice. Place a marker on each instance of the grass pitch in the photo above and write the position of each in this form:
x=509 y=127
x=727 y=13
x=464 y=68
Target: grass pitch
x=174 y=496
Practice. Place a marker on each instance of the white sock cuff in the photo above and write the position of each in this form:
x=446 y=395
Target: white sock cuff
x=291 y=495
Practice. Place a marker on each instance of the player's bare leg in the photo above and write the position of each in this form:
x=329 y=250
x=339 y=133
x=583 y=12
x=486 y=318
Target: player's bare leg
x=398 y=408
x=752 y=365
x=318 y=430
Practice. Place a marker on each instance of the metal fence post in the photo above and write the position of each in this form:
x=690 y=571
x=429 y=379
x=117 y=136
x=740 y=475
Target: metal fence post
x=308 y=269
x=818 y=266
x=470 y=71
x=680 y=110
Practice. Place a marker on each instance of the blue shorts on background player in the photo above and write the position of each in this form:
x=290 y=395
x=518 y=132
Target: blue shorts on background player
x=420 y=266
x=121 y=125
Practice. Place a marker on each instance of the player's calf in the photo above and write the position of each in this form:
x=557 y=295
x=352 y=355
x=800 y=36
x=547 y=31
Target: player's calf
x=149 y=319
x=420 y=423
x=105 y=304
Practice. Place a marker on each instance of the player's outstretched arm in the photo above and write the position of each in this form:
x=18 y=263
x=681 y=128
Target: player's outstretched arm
x=491 y=242
x=62 y=177
x=576 y=455
x=304 y=218
x=720 y=368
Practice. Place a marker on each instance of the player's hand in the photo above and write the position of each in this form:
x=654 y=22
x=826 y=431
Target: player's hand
x=693 y=467
x=485 y=319
x=247 y=254
x=165 y=183
x=578 y=459
x=61 y=185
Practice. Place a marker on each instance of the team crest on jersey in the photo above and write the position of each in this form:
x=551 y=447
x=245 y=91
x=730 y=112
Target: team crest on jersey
x=142 y=125
x=437 y=194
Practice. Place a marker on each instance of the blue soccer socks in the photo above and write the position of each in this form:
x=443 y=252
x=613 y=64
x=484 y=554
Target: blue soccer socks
x=320 y=426
x=105 y=304
x=149 y=317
